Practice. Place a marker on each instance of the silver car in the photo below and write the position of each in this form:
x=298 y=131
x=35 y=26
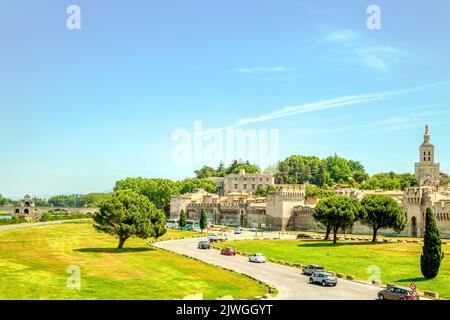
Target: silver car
x=324 y=278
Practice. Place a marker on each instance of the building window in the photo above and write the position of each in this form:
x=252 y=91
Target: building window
x=235 y=186
x=253 y=186
x=245 y=186
x=424 y=159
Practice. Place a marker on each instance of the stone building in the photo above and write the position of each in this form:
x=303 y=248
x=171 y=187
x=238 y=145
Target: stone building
x=247 y=182
x=27 y=208
x=241 y=208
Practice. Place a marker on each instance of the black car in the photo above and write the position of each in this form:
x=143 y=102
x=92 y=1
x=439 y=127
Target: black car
x=304 y=236
x=204 y=245
x=311 y=269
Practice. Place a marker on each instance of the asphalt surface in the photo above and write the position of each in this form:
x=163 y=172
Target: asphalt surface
x=289 y=281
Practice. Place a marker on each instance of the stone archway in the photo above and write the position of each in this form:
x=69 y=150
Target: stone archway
x=26 y=211
x=17 y=211
x=414 y=226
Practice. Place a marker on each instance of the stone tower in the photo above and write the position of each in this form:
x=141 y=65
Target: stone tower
x=415 y=202
x=427 y=171
x=280 y=204
x=27 y=208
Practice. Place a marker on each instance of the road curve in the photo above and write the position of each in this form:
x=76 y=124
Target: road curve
x=288 y=280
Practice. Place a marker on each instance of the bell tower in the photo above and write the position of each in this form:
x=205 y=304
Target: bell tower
x=427 y=171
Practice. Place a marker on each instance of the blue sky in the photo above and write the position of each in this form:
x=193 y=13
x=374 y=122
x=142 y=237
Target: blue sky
x=80 y=109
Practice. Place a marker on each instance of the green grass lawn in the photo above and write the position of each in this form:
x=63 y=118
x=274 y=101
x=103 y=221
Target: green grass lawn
x=34 y=262
x=399 y=263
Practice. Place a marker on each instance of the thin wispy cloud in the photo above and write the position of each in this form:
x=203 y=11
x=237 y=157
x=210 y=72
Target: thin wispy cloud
x=332 y=103
x=405 y=121
x=261 y=69
x=372 y=54
x=339 y=36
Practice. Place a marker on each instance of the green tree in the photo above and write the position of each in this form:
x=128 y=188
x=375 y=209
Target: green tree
x=339 y=169
x=41 y=202
x=3 y=200
x=432 y=254
x=203 y=220
x=263 y=192
x=382 y=212
x=126 y=214
x=234 y=169
x=315 y=191
x=390 y=181
x=92 y=199
x=159 y=224
x=337 y=212
x=446 y=181
x=158 y=191
x=188 y=185
x=205 y=172
x=67 y=201
x=182 y=221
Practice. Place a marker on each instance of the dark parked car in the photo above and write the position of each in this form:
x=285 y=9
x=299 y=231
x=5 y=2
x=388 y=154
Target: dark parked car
x=324 y=278
x=397 y=293
x=311 y=269
x=304 y=236
x=204 y=245
x=228 y=252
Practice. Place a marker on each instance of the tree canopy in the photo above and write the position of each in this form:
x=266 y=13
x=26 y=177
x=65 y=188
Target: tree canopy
x=390 y=181
x=125 y=214
x=382 y=212
x=3 y=200
x=233 y=168
x=319 y=192
x=337 y=212
x=320 y=172
x=159 y=191
x=74 y=200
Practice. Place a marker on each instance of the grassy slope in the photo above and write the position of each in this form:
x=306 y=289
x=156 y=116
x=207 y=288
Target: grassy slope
x=399 y=262
x=33 y=264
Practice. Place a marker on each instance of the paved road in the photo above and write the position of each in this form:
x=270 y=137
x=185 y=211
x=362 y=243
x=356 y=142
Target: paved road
x=39 y=224
x=289 y=281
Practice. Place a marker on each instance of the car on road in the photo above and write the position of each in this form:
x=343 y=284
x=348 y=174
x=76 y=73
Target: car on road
x=324 y=278
x=228 y=251
x=252 y=230
x=309 y=270
x=204 y=245
x=304 y=236
x=397 y=293
x=237 y=231
x=222 y=237
x=217 y=238
x=257 y=258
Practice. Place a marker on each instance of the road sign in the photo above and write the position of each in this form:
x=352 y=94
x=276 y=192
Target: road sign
x=414 y=289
